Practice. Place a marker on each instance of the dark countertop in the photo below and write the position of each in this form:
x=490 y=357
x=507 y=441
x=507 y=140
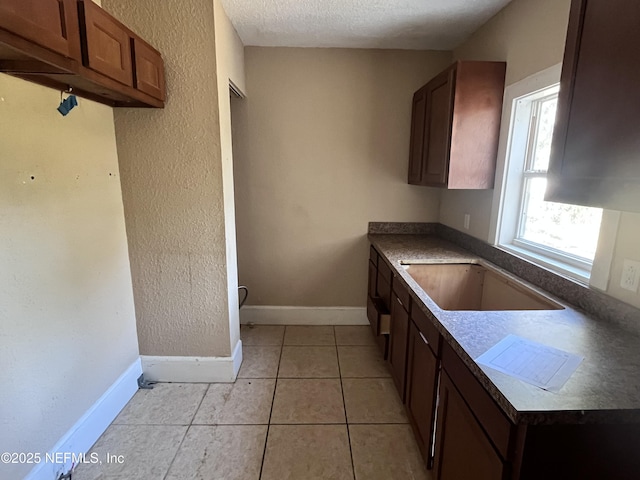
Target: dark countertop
x=604 y=389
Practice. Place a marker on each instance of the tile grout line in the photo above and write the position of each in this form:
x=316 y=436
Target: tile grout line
x=251 y=424
x=344 y=406
x=186 y=432
x=273 y=400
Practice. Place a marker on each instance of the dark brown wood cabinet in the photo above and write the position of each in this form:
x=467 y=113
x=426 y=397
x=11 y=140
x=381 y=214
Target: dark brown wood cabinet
x=595 y=156
x=398 y=341
x=463 y=450
x=462 y=431
x=149 y=69
x=51 y=24
x=416 y=147
x=383 y=284
x=421 y=389
x=76 y=44
x=107 y=48
x=455 y=127
x=377 y=311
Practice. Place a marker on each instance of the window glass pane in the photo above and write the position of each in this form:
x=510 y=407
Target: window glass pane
x=546 y=121
x=570 y=228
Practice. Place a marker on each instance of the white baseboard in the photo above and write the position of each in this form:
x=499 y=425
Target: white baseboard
x=270 y=315
x=81 y=437
x=193 y=369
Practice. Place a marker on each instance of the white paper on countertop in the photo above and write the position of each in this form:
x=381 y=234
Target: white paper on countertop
x=532 y=362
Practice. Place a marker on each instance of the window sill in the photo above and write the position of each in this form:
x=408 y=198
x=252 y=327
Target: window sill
x=575 y=273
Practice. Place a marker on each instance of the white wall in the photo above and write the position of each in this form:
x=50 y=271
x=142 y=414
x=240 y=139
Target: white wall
x=230 y=69
x=322 y=148
x=67 y=324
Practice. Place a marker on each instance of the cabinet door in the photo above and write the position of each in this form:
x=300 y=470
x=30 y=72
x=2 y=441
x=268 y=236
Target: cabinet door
x=596 y=145
x=416 y=148
x=422 y=378
x=438 y=129
x=371 y=284
x=52 y=24
x=398 y=339
x=107 y=47
x=383 y=287
x=149 y=69
x=462 y=448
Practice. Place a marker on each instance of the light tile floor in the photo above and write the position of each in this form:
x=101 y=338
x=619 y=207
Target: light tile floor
x=309 y=403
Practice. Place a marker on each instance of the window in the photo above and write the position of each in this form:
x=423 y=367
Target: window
x=559 y=236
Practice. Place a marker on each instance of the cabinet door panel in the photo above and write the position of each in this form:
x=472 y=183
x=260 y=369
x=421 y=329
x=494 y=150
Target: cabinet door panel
x=438 y=129
x=398 y=344
x=422 y=377
x=596 y=145
x=416 y=152
x=108 y=44
x=373 y=277
x=149 y=71
x=383 y=289
x=52 y=24
x=462 y=448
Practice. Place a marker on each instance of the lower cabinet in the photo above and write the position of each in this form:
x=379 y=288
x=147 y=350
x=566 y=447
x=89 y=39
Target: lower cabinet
x=462 y=448
x=421 y=390
x=398 y=339
x=377 y=306
x=461 y=432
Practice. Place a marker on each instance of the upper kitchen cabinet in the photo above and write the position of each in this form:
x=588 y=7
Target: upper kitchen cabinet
x=148 y=68
x=107 y=48
x=49 y=24
x=455 y=126
x=595 y=158
x=77 y=44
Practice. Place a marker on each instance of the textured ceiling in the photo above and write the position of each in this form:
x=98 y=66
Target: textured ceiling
x=405 y=24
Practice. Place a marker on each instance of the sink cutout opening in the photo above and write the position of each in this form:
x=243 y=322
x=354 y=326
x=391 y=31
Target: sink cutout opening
x=475 y=287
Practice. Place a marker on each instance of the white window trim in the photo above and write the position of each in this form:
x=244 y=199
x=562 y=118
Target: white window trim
x=598 y=276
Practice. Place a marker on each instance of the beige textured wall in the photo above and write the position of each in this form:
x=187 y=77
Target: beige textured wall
x=529 y=35
x=67 y=320
x=321 y=148
x=170 y=162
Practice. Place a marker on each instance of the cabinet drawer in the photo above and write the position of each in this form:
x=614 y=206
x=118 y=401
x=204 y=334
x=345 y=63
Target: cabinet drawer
x=378 y=315
x=402 y=293
x=427 y=328
x=493 y=421
x=107 y=46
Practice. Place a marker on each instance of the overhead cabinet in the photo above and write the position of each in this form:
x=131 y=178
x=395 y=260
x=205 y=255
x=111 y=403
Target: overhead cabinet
x=51 y=24
x=455 y=125
x=595 y=155
x=77 y=44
